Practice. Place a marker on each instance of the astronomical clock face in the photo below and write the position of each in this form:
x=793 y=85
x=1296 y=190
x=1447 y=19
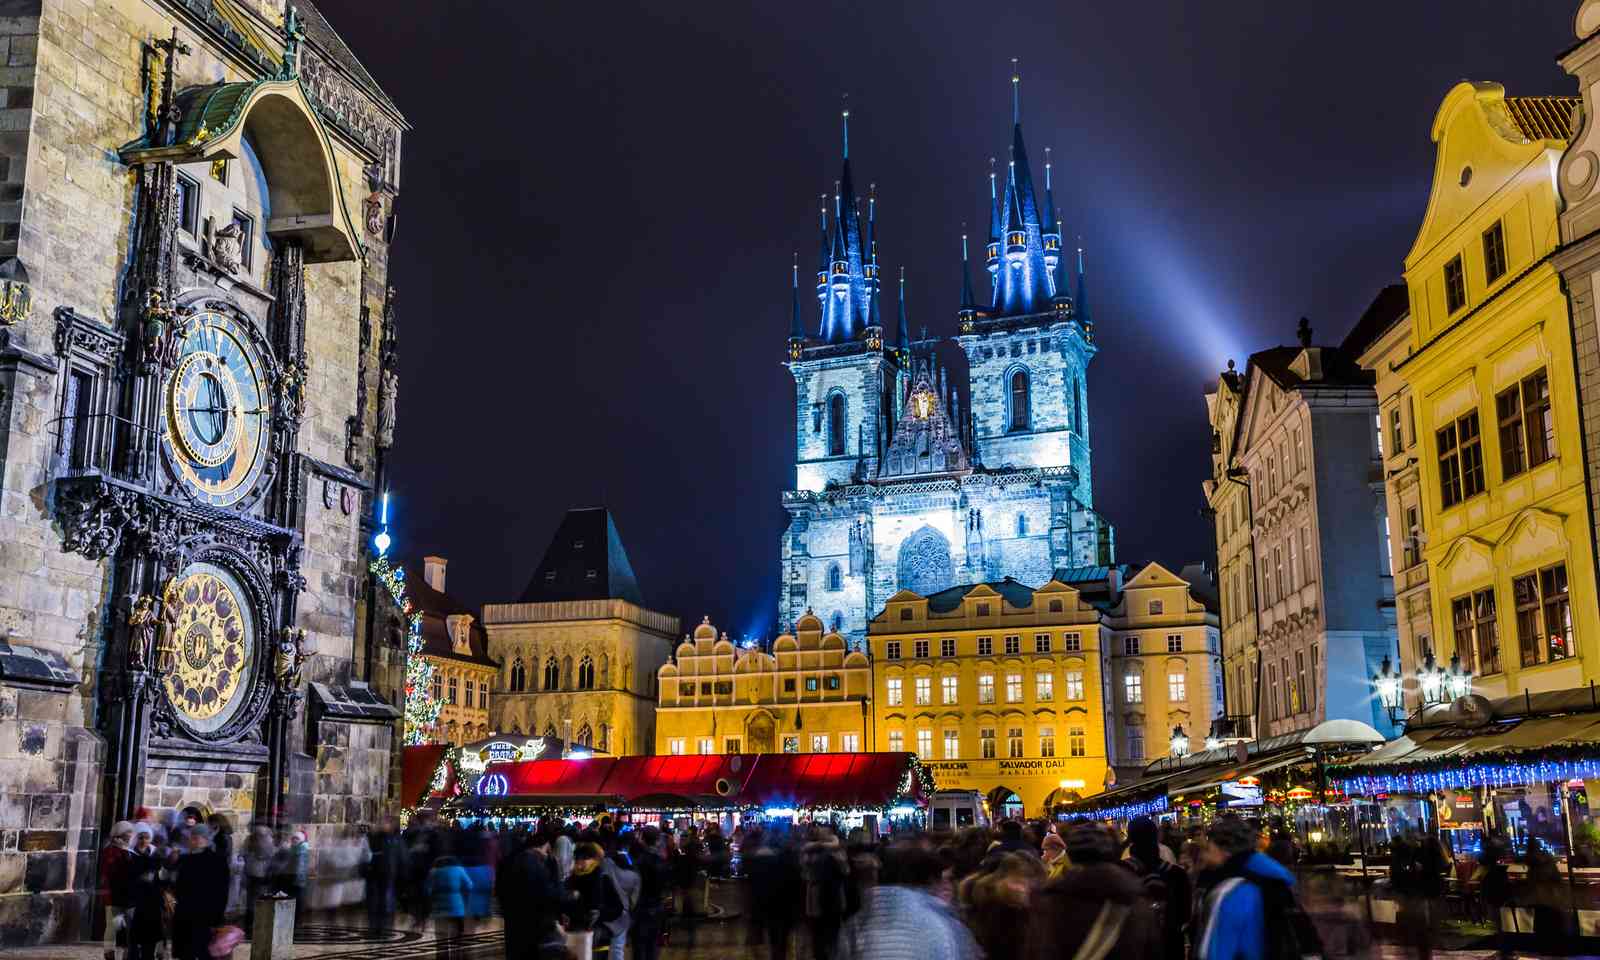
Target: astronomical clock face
x=207 y=660
x=216 y=410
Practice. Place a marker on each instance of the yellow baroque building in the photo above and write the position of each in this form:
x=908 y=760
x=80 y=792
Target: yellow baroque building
x=999 y=687
x=1505 y=523
x=809 y=695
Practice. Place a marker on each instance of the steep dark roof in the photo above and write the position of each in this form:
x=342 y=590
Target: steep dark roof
x=585 y=561
x=435 y=606
x=322 y=34
x=1339 y=369
x=1019 y=595
x=1391 y=303
x=1202 y=584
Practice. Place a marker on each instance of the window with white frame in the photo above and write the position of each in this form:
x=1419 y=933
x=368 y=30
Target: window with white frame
x=949 y=689
x=924 y=690
x=986 y=742
x=1074 y=684
x=1041 y=643
x=1130 y=645
x=893 y=692
x=850 y=742
x=819 y=743
x=947 y=647
x=986 y=688
x=1133 y=688
x=1013 y=688
x=1156 y=607
x=1177 y=686
x=1072 y=642
x=919 y=648
x=952 y=745
x=1047 y=741
x=1135 y=743
x=1013 y=646
x=675 y=746
x=897 y=742
x=891 y=650
x=705 y=746
x=1174 y=643
x=925 y=744
x=1014 y=742
x=1044 y=686
x=1076 y=742
x=985 y=646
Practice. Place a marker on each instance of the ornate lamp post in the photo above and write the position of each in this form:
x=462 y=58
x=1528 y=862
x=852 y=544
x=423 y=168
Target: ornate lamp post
x=1387 y=684
x=1430 y=681
x=1180 y=742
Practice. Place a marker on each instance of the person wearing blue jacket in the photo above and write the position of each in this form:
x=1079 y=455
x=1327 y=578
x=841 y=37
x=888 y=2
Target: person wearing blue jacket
x=1250 y=912
x=448 y=887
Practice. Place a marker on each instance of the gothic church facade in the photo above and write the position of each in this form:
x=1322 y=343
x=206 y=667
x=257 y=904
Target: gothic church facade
x=905 y=478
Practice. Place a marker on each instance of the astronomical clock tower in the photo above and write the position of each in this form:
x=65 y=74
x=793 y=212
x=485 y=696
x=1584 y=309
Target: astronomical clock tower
x=197 y=392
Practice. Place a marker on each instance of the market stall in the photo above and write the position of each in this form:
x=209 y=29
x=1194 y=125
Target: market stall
x=1283 y=776
x=728 y=789
x=1518 y=768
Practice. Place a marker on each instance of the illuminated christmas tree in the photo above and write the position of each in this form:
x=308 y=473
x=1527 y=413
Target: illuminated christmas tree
x=421 y=706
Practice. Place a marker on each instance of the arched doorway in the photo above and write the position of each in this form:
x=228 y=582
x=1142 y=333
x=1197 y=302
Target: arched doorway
x=924 y=562
x=1057 y=797
x=1005 y=804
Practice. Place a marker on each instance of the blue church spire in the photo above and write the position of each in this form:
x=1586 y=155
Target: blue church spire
x=995 y=227
x=1023 y=285
x=969 y=306
x=797 y=330
x=847 y=306
x=1052 y=231
x=1083 y=293
x=823 y=251
x=903 y=331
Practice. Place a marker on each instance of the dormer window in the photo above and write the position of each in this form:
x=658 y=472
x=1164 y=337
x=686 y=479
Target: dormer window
x=460 y=628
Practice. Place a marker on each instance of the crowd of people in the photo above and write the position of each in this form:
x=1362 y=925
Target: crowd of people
x=1016 y=891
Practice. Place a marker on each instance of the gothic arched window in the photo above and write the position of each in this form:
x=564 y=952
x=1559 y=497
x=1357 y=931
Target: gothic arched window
x=836 y=424
x=835 y=577
x=1022 y=524
x=1018 y=393
x=586 y=674
x=550 y=731
x=585 y=736
x=552 y=674
x=519 y=676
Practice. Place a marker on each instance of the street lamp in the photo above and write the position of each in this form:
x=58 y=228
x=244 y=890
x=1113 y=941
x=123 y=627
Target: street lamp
x=1387 y=682
x=1180 y=742
x=1430 y=681
x=1459 y=680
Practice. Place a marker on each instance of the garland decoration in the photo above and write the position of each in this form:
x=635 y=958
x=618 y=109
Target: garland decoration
x=421 y=706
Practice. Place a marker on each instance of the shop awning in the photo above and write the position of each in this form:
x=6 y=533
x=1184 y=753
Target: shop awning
x=1199 y=781
x=696 y=779
x=1528 y=749
x=842 y=780
x=419 y=763
x=563 y=780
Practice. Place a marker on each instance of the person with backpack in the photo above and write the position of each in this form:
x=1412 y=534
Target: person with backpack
x=1094 y=909
x=1250 y=912
x=1166 y=886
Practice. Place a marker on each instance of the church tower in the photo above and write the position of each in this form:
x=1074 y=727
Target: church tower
x=1028 y=352
x=849 y=384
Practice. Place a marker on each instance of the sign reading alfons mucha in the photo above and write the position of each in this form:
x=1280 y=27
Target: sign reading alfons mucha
x=208 y=658
x=215 y=408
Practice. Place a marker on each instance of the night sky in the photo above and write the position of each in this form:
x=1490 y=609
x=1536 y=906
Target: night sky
x=601 y=200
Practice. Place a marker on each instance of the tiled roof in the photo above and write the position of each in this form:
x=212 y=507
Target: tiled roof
x=1391 y=303
x=1018 y=595
x=435 y=606
x=1544 y=118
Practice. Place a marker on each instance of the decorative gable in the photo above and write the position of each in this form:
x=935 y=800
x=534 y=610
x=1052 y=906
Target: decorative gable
x=924 y=441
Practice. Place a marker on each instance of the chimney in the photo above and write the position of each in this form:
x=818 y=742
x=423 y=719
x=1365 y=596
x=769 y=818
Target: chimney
x=433 y=572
